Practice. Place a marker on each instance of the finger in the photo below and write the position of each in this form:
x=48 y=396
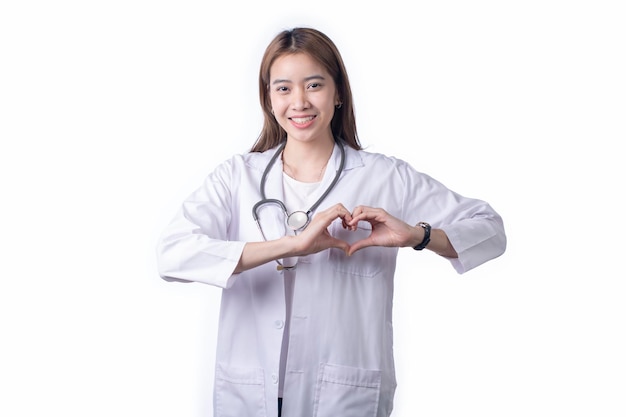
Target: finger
x=341 y=244
x=358 y=210
x=364 y=213
x=356 y=215
x=326 y=217
x=338 y=211
x=360 y=244
x=347 y=222
x=333 y=242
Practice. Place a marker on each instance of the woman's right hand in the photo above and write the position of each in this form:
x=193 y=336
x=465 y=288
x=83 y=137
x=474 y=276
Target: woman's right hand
x=316 y=238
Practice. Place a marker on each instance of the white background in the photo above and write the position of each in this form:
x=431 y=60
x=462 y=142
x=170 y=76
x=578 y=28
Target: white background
x=111 y=113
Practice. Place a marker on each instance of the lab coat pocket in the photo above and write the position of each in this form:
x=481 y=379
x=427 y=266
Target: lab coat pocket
x=239 y=392
x=346 y=391
x=365 y=262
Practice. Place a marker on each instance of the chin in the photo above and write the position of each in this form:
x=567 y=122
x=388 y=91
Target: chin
x=307 y=137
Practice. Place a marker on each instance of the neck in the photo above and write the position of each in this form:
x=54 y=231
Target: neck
x=307 y=162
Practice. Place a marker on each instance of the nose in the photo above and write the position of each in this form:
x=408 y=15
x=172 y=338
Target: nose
x=299 y=100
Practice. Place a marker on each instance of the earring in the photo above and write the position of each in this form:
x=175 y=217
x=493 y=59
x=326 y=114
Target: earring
x=338 y=106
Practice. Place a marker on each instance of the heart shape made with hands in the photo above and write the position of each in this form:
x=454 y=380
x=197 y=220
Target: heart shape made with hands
x=364 y=227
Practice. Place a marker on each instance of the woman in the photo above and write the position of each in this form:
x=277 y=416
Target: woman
x=302 y=234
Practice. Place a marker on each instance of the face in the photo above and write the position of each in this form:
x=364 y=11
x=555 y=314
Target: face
x=303 y=98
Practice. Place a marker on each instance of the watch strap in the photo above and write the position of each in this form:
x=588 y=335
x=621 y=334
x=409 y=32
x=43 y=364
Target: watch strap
x=426 y=239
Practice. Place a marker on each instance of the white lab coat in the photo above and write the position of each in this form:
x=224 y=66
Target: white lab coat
x=340 y=360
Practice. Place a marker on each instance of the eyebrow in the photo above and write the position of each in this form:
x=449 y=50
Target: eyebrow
x=312 y=77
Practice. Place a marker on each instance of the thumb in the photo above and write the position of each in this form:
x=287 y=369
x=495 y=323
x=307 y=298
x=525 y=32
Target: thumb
x=339 y=244
x=359 y=244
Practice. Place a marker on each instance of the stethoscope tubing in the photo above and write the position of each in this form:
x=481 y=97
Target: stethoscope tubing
x=265 y=200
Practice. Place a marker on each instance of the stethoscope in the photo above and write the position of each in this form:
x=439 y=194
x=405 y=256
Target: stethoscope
x=297 y=220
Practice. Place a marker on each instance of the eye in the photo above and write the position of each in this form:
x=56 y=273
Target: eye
x=314 y=85
x=282 y=89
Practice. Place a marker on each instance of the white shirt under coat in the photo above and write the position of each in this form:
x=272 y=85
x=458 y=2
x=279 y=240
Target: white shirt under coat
x=340 y=360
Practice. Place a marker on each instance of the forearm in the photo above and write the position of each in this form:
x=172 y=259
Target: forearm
x=259 y=253
x=439 y=242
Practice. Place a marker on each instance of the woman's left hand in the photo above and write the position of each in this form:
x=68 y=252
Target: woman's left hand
x=387 y=230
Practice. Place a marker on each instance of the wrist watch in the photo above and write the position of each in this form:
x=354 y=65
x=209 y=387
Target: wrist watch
x=426 y=239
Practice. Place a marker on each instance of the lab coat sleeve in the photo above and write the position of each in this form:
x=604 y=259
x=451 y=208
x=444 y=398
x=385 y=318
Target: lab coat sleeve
x=195 y=247
x=474 y=228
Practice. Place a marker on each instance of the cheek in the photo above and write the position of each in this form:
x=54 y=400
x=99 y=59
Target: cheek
x=276 y=103
x=329 y=107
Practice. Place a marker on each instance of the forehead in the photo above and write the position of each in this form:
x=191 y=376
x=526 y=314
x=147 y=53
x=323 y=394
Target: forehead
x=295 y=67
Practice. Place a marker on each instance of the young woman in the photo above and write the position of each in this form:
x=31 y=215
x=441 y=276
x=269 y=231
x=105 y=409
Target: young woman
x=302 y=234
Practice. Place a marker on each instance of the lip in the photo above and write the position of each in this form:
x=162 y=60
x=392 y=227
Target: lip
x=302 y=121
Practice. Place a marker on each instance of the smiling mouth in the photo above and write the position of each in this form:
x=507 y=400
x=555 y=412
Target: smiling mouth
x=302 y=120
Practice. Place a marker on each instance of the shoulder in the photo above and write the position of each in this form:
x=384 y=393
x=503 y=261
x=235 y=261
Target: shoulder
x=390 y=170
x=376 y=160
x=256 y=161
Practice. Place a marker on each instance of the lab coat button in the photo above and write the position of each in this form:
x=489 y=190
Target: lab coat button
x=279 y=324
x=275 y=378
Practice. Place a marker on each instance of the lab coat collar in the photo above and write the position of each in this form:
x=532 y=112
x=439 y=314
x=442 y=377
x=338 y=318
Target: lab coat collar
x=260 y=160
x=353 y=157
x=274 y=182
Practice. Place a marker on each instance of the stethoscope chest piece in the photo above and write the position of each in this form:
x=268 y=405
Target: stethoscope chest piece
x=298 y=220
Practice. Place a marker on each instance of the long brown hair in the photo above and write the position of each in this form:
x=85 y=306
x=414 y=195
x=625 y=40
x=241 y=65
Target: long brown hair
x=319 y=47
